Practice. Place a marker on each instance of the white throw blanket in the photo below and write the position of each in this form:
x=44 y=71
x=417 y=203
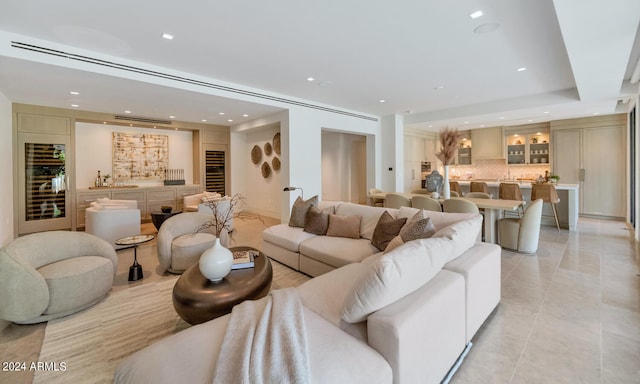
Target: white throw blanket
x=265 y=342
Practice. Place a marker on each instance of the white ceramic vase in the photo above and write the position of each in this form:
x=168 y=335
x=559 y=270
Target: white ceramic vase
x=446 y=189
x=215 y=263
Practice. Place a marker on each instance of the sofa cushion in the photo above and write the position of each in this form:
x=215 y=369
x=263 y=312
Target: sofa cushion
x=286 y=237
x=210 y=196
x=344 y=226
x=93 y=273
x=370 y=216
x=439 y=219
x=325 y=295
x=416 y=228
x=299 y=210
x=386 y=229
x=317 y=221
x=464 y=234
x=337 y=251
x=187 y=249
x=395 y=275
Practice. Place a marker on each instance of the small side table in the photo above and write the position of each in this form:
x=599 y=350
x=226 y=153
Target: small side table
x=135 y=271
x=159 y=217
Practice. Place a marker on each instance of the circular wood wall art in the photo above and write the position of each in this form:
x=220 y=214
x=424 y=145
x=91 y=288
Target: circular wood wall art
x=266 y=170
x=275 y=164
x=256 y=154
x=276 y=143
x=267 y=149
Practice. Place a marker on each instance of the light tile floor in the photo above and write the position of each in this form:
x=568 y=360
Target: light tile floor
x=568 y=314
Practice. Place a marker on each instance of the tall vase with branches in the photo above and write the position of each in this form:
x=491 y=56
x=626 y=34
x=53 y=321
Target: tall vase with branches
x=449 y=141
x=215 y=263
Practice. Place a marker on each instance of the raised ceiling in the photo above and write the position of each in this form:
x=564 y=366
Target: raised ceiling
x=425 y=59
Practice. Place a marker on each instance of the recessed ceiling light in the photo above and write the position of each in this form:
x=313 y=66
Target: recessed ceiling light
x=204 y=120
x=74 y=92
x=481 y=125
x=221 y=113
x=172 y=117
x=545 y=112
x=245 y=115
x=382 y=101
x=516 y=135
x=486 y=28
x=596 y=113
x=530 y=120
x=476 y=14
x=466 y=122
x=167 y=36
x=501 y=117
x=127 y=111
x=230 y=120
x=75 y=105
x=521 y=69
x=310 y=79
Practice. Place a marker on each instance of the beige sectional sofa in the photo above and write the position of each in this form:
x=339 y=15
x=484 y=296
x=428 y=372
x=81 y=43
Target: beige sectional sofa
x=405 y=316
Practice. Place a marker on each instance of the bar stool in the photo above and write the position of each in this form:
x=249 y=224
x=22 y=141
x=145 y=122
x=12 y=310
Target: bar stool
x=478 y=186
x=454 y=186
x=511 y=191
x=548 y=194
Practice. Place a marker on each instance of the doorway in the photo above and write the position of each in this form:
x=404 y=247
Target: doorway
x=344 y=167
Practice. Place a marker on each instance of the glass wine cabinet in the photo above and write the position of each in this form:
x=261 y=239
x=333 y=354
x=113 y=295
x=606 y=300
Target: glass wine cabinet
x=43 y=190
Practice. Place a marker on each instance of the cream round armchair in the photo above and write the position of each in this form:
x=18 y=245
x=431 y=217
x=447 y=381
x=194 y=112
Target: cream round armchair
x=48 y=275
x=179 y=246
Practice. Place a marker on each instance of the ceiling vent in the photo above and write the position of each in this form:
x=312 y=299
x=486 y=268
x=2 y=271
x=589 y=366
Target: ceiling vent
x=142 y=119
x=163 y=75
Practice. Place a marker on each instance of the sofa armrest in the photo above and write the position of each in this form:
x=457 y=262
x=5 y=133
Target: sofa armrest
x=422 y=334
x=32 y=297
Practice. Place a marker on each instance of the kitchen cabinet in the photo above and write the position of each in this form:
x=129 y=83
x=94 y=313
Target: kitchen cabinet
x=464 y=153
x=488 y=143
x=531 y=148
x=591 y=152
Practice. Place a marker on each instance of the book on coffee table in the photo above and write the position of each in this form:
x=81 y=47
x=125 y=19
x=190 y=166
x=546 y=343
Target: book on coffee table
x=243 y=259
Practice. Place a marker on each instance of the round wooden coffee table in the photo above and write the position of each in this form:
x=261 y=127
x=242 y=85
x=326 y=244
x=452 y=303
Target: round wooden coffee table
x=196 y=299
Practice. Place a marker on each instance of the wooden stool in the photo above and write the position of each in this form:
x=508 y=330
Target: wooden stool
x=511 y=191
x=548 y=194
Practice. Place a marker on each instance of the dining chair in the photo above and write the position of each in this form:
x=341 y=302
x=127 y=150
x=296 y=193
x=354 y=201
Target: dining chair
x=420 y=191
x=478 y=195
x=522 y=235
x=454 y=194
x=396 y=200
x=426 y=202
x=459 y=206
x=548 y=194
x=454 y=186
x=511 y=191
x=374 y=201
x=478 y=186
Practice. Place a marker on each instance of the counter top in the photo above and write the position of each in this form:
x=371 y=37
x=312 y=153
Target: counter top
x=523 y=184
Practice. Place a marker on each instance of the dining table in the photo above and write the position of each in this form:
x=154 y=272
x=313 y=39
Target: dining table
x=493 y=209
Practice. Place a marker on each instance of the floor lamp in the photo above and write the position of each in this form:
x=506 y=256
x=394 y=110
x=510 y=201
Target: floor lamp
x=289 y=189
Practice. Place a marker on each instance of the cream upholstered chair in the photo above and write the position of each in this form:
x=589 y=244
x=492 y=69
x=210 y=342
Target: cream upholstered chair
x=179 y=246
x=548 y=194
x=190 y=203
x=478 y=195
x=454 y=194
x=420 y=191
x=112 y=219
x=223 y=206
x=459 y=205
x=374 y=201
x=47 y=275
x=396 y=200
x=522 y=235
x=426 y=202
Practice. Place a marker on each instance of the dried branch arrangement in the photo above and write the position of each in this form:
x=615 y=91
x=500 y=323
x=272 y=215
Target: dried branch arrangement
x=449 y=140
x=222 y=219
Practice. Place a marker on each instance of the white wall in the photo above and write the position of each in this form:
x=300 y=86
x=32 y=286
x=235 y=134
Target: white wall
x=94 y=151
x=344 y=167
x=6 y=171
x=263 y=195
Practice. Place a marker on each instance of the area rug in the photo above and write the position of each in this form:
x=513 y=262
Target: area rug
x=88 y=346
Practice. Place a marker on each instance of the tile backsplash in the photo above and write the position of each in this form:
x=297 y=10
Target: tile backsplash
x=497 y=169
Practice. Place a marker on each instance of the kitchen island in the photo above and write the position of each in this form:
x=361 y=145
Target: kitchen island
x=567 y=208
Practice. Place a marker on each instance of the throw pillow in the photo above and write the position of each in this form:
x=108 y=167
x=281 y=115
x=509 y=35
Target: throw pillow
x=344 y=226
x=386 y=229
x=316 y=221
x=299 y=210
x=416 y=227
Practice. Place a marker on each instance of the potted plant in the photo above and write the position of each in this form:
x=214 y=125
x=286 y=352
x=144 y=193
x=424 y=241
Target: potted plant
x=553 y=179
